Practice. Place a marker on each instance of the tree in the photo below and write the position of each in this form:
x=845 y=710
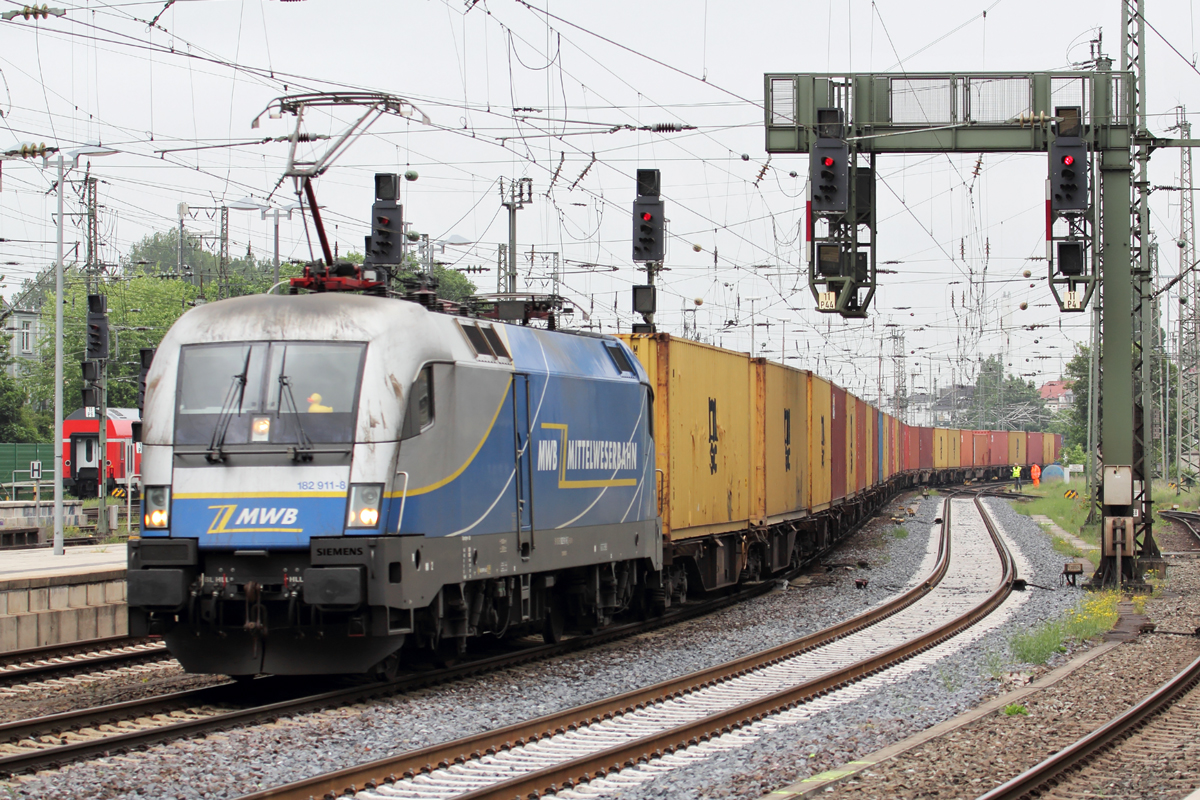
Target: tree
x=1004 y=401
x=140 y=310
x=158 y=255
x=17 y=422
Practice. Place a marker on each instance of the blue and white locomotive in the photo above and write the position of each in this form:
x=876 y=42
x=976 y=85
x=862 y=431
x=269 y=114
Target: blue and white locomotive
x=332 y=477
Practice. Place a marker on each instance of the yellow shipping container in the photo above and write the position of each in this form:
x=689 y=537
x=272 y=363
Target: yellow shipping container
x=820 y=451
x=1016 y=447
x=954 y=440
x=703 y=433
x=1047 y=448
x=785 y=414
x=941 y=448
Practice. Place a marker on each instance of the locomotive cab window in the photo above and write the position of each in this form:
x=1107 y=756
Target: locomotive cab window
x=268 y=392
x=617 y=354
x=418 y=417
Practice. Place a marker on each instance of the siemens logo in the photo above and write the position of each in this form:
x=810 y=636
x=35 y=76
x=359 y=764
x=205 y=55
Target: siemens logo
x=327 y=552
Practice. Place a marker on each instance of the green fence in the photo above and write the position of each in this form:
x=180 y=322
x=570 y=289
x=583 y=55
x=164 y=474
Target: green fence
x=18 y=456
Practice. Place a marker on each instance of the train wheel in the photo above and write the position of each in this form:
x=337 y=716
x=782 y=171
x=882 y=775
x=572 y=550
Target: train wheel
x=449 y=651
x=385 y=671
x=556 y=623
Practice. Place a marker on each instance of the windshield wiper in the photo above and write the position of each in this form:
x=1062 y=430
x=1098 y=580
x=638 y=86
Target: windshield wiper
x=303 y=443
x=236 y=388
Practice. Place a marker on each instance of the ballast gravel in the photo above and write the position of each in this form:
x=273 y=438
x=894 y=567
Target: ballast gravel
x=239 y=761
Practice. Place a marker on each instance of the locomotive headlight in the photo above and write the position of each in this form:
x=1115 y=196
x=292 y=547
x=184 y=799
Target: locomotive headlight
x=365 y=499
x=156 y=503
x=260 y=429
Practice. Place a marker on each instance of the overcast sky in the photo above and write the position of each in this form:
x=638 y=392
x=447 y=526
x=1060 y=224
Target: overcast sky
x=512 y=92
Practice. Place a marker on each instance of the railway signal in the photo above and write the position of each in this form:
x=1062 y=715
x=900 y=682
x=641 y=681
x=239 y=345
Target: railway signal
x=146 y=354
x=385 y=245
x=97 y=327
x=1068 y=175
x=830 y=176
x=649 y=242
x=1068 y=249
x=648 y=229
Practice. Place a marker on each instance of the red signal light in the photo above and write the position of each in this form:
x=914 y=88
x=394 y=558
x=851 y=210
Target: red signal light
x=1068 y=160
x=827 y=161
x=647 y=216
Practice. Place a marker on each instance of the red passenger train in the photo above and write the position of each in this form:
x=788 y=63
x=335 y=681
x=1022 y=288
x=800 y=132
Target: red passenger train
x=81 y=451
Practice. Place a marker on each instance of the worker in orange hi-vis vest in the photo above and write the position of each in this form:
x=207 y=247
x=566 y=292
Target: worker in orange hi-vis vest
x=1035 y=472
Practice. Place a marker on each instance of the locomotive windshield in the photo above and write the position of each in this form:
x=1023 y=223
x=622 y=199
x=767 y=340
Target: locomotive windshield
x=268 y=392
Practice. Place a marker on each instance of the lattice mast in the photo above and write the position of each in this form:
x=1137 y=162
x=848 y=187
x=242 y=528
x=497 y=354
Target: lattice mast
x=900 y=396
x=1187 y=421
x=1133 y=51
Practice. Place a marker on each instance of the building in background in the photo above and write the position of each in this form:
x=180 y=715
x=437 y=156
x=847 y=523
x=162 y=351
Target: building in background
x=1058 y=395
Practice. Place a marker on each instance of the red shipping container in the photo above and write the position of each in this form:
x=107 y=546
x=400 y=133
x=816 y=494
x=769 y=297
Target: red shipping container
x=926 y=452
x=908 y=449
x=999 y=449
x=1035 y=448
x=981 y=441
x=837 y=440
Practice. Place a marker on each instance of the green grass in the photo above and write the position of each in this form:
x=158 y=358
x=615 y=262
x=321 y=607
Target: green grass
x=1066 y=548
x=1036 y=646
x=1015 y=709
x=899 y=533
x=1070 y=514
x=994 y=664
x=951 y=680
x=1091 y=616
x=1165 y=497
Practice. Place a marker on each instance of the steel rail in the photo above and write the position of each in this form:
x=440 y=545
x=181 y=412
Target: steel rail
x=60 y=650
x=80 y=659
x=41 y=758
x=345 y=781
x=58 y=755
x=1052 y=770
x=1190 y=520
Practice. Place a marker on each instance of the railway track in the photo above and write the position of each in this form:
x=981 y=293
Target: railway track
x=59 y=739
x=650 y=726
x=43 y=662
x=55 y=740
x=1161 y=728
x=1188 y=519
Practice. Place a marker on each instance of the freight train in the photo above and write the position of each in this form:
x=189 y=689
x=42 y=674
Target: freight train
x=335 y=483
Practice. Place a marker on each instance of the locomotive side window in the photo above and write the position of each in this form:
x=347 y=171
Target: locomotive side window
x=494 y=340
x=475 y=337
x=419 y=415
x=485 y=341
x=618 y=356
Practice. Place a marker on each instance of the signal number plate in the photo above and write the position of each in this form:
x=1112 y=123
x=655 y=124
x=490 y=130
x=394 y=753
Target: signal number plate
x=1071 y=302
x=827 y=301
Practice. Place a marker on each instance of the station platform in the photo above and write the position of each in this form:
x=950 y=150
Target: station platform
x=47 y=599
